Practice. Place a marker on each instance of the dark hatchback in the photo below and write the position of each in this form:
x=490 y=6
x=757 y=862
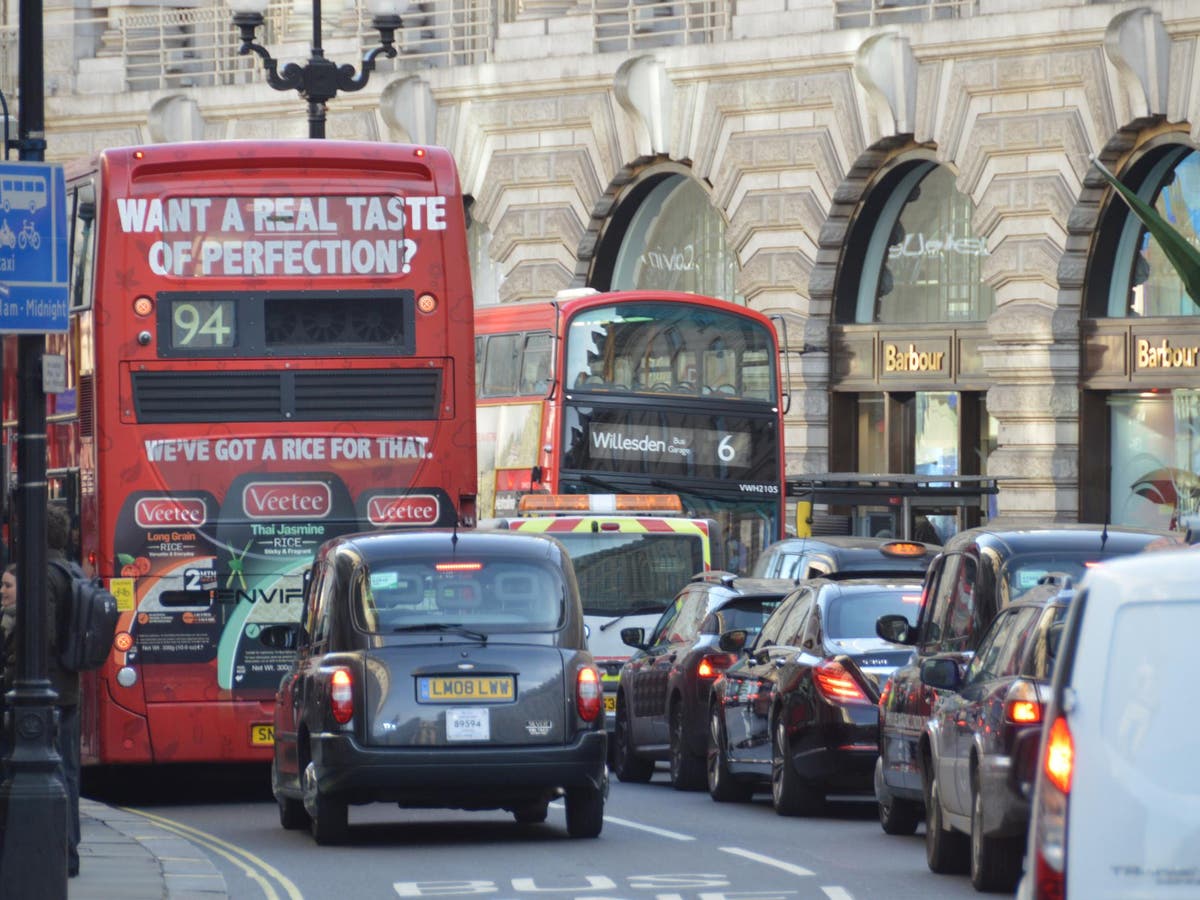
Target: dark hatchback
x=444 y=670
x=662 y=697
x=843 y=557
x=798 y=711
x=979 y=572
x=979 y=714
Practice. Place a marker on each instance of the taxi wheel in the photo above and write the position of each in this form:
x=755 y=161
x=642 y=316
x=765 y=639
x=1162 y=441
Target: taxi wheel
x=790 y=794
x=687 y=769
x=328 y=817
x=945 y=850
x=722 y=786
x=628 y=766
x=585 y=811
x=291 y=814
x=531 y=813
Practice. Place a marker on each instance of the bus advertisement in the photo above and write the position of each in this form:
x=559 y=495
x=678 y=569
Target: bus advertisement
x=269 y=345
x=635 y=392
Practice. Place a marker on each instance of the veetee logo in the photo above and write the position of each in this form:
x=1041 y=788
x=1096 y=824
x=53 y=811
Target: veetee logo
x=160 y=512
x=290 y=500
x=413 y=509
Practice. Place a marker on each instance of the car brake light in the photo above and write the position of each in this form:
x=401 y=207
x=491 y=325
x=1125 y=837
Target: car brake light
x=341 y=695
x=1060 y=755
x=836 y=684
x=712 y=666
x=1021 y=704
x=589 y=695
x=1050 y=817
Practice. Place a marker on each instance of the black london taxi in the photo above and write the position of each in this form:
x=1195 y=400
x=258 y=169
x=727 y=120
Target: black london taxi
x=439 y=669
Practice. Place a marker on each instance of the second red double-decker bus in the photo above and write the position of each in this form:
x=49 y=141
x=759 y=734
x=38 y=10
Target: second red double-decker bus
x=270 y=344
x=635 y=392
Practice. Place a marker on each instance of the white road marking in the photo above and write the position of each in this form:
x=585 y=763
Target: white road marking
x=767 y=861
x=661 y=832
x=834 y=892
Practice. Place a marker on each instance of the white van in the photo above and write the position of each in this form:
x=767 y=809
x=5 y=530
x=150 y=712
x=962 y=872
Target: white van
x=1116 y=807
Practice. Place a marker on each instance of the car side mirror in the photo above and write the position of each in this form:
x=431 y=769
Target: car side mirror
x=941 y=672
x=634 y=637
x=733 y=641
x=896 y=629
x=1022 y=772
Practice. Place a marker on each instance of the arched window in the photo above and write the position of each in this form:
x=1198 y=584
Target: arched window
x=911 y=255
x=666 y=235
x=1131 y=275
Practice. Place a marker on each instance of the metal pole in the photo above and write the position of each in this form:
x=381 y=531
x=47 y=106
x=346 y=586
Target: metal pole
x=33 y=801
x=316 y=107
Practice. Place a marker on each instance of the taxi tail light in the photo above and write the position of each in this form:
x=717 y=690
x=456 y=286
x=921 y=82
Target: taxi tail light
x=1050 y=817
x=714 y=664
x=836 y=684
x=341 y=695
x=1021 y=704
x=589 y=693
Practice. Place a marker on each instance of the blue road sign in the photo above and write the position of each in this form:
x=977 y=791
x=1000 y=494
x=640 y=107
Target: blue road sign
x=33 y=248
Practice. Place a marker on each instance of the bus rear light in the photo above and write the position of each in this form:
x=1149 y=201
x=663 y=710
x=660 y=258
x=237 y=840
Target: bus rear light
x=143 y=306
x=589 y=693
x=427 y=303
x=122 y=641
x=341 y=696
x=836 y=684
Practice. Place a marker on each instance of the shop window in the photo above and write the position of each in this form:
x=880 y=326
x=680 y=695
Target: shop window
x=1131 y=276
x=911 y=254
x=666 y=235
x=1155 y=481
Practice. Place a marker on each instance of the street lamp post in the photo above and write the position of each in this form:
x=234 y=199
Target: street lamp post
x=318 y=80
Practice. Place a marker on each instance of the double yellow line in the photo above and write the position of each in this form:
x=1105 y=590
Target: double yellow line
x=257 y=870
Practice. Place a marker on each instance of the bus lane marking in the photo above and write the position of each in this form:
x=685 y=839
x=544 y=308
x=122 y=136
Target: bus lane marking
x=833 y=892
x=768 y=861
x=243 y=859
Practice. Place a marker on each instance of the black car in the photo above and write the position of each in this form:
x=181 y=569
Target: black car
x=979 y=572
x=798 y=712
x=843 y=557
x=662 y=696
x=440 y=669
x=979 y=714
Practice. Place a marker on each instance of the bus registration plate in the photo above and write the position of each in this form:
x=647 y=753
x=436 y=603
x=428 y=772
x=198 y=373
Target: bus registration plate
x=262 y=735
x=456 y=688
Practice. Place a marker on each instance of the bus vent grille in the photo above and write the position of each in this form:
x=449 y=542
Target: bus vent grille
x=287 y=396
x=86 y=406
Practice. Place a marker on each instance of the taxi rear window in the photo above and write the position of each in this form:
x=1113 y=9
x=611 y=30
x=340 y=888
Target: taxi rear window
x=480 y=594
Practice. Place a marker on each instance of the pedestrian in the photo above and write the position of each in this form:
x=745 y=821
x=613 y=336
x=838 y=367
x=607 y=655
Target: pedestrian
x=64 y=681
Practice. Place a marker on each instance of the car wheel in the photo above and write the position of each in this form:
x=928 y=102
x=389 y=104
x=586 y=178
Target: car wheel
x=687 y=769
x=585 y=811
x=722 y=786
x=328 y=816
x=995 y=862
x=791 y=795
x=626 y=764
x=531 y=813
x=896 y=815
x=945 y=850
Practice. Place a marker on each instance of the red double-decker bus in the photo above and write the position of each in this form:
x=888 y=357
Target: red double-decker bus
x=270 y=344
x=645 y=392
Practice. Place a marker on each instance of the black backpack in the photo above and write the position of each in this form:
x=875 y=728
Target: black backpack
x=87 y=623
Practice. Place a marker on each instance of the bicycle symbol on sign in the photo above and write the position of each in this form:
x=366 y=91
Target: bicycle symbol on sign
x=28 y=236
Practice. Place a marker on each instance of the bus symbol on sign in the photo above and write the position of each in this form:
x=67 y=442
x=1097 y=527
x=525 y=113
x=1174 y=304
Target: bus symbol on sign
x=412 y=509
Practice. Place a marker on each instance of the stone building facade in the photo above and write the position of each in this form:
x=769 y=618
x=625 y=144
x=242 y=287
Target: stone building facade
x=813 y=128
